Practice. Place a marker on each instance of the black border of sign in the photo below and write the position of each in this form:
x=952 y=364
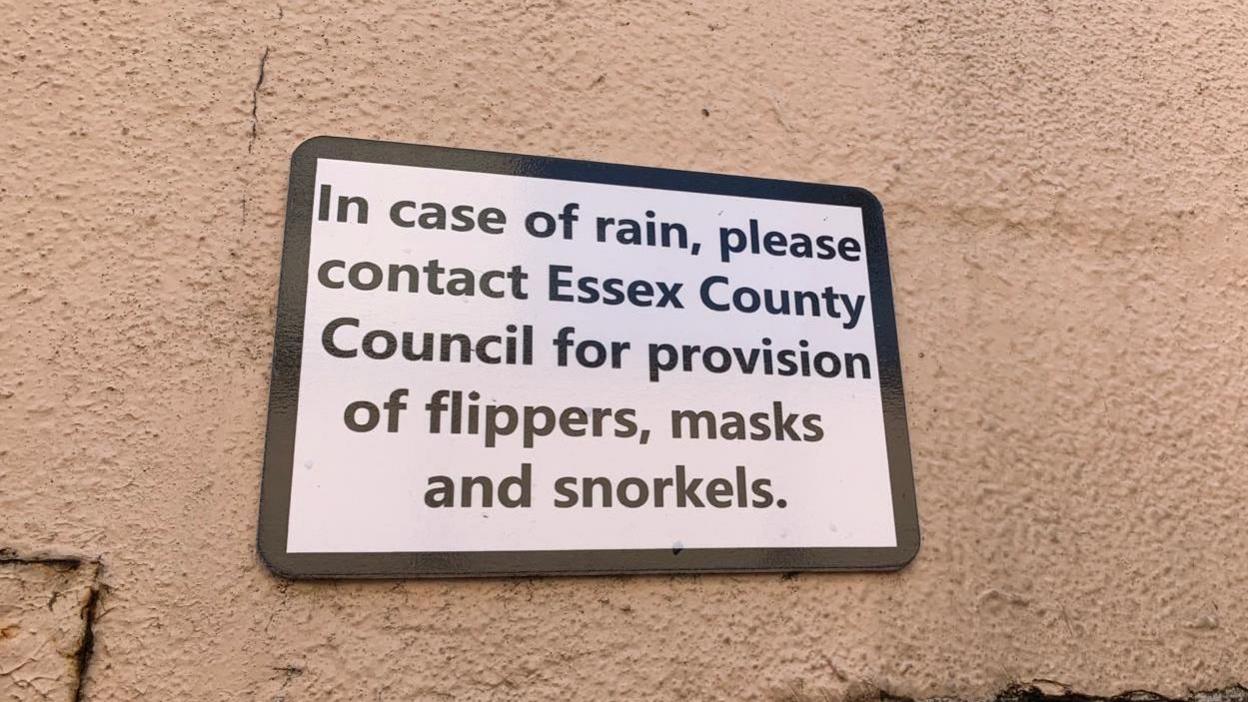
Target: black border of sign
x=287 y=349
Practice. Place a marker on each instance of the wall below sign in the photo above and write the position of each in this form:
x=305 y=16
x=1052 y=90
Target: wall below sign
x=1065 y=198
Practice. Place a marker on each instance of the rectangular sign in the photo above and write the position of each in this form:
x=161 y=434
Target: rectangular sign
x=491 y=364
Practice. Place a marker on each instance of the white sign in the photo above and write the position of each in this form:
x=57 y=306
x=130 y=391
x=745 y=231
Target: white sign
x=497 y=364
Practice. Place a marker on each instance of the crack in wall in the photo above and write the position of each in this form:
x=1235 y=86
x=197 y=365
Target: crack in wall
x=255 y=101
x=82 y=654
x=1048 y=691
x=86 y=646
x=8 y=555
x=1034 y=693
x=1037 y=690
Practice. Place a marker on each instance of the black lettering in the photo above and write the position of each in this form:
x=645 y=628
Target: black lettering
x=462 y=214
x=361 y=209
x=491 y=220
x=719 y=493
x=814 y=431
x=432 y=216
x=558 y=283
x=686 y=492
x=705 y=293
x=642 y=489
x=851 y=249
x=481 y=481
x=396 y=213
x=761 y=493
x=524 y=481
x=565 y=488
x=327 y=337
x=322 y=273
x=587 y=491
x=441 y=492
x=693 y=424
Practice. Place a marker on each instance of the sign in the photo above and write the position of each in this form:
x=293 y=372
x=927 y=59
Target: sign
x=490 y=364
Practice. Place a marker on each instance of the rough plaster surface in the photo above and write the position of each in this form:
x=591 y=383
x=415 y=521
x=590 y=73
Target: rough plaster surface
x=1066 y=194
x=44 y=609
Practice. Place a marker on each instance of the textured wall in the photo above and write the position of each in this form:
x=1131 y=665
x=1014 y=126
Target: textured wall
x=1066 y=190
x=44 y=644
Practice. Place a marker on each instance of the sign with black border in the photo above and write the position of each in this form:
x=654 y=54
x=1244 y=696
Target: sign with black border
x=752 y=551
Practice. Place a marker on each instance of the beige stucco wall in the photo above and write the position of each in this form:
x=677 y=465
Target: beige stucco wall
x=1066 y=192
